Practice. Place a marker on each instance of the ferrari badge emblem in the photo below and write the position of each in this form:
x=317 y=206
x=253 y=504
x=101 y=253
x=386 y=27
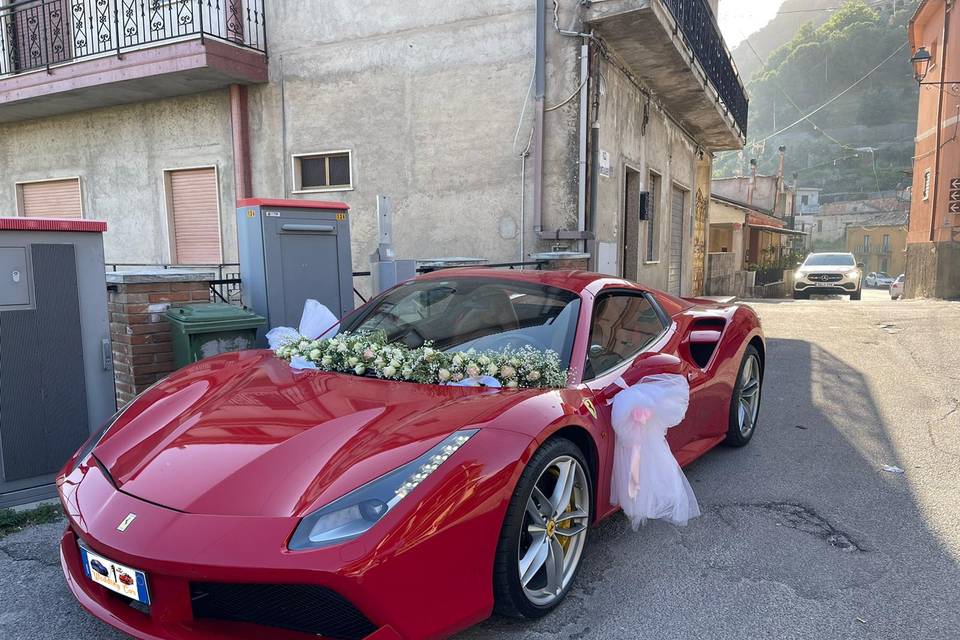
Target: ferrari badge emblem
x=590 y=408
x=126 y=522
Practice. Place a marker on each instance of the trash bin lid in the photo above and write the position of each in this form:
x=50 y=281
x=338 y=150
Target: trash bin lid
x=211 y=312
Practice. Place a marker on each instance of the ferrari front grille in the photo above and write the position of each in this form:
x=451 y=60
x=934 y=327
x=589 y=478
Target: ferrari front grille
x=296 y=607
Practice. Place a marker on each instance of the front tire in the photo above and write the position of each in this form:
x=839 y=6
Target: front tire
x=797 y=295
x=745 y=403
x=857 y=295
x=544 y=532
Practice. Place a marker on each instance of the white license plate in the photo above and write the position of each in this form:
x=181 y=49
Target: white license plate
x=116 y=577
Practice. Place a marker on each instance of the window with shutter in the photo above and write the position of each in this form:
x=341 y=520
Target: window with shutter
x=50 y=199
x=194 y=213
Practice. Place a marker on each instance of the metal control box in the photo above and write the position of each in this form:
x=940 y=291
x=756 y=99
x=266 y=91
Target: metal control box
x=56 y=369
x=292 y=251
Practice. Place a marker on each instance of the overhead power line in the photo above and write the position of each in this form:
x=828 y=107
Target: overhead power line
x=834 y=98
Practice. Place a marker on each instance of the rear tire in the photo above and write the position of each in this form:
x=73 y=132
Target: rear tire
x=745 y=403
x=532 y=522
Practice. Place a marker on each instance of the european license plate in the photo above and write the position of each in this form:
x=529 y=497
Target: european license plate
x=116 y=577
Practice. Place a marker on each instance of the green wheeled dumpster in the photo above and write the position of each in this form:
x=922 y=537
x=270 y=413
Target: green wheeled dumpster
x=203 y=330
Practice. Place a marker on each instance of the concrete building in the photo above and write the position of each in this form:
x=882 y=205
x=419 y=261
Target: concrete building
x=752 y=234
x=880 y=245
x=807 y=201
x=933 y=243
x=827 y=227
x=499 y=128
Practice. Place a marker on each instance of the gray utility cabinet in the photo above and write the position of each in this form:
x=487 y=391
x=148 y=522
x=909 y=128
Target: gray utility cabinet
x=56 y=371
x=291 y=251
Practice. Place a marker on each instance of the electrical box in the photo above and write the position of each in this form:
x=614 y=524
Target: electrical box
x=56 y=370
x=292 y=251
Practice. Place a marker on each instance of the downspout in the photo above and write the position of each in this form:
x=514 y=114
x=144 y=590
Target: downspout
x=240 y=129
x=941 y=89
x=584 y=122
x=539 y=93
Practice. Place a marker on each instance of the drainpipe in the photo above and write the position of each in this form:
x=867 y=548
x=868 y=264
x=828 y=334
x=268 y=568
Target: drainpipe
x=753 y=180
x=584 y=121
x=240 y=129
x=539 y=92
x=936 y=167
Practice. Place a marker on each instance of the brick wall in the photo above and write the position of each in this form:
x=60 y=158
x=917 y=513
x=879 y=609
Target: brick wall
x=139 y=330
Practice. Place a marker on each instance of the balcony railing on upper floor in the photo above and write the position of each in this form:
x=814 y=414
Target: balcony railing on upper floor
x=38 y=34
x=699 y=26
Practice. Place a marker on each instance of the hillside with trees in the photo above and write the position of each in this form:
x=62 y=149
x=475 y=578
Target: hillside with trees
x=863 y=140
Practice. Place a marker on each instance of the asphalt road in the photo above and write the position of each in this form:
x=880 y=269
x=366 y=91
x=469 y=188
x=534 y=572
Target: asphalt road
x=804 y=534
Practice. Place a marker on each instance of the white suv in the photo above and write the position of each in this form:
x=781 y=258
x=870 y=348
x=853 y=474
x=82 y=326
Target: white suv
x=828 y=273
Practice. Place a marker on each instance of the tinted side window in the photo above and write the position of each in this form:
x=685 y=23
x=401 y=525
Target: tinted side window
x=623 y=325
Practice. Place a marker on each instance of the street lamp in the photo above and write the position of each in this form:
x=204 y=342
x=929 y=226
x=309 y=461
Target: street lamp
x=921 y=64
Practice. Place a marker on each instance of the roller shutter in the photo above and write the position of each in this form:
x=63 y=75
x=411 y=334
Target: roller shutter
x=677 y=210
x=195 y=216
x=51 y=199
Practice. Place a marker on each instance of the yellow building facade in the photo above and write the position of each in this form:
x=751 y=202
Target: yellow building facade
x=879 y=247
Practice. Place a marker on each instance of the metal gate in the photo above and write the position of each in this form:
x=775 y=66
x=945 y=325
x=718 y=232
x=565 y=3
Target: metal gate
x=677 y=206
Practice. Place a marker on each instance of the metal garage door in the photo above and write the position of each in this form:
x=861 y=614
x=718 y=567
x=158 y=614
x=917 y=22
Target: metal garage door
x=195 y=216
x=51 y=199
x=677 y=206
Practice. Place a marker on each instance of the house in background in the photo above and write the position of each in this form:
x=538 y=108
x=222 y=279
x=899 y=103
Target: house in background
x=752 y=234
x=159 y=121
x=880 y=245
x=806 y=201
x=827 y=227
x=933 y=242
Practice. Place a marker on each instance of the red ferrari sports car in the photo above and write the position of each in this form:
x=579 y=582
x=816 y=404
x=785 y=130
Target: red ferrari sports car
x=252 y=500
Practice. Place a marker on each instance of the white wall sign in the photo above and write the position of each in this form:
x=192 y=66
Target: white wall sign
x=605 y=169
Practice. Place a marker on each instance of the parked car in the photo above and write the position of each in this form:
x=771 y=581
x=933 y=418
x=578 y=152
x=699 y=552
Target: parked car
x=828 y=273
x=897 y=286
x=877 y=279
x=348 y=505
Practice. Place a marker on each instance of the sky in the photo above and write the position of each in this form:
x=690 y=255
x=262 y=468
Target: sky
x=739 y=18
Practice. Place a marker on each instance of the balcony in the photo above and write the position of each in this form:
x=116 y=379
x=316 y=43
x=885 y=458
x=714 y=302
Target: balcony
x=872 y=250
x=675 y=47
x=61 y=56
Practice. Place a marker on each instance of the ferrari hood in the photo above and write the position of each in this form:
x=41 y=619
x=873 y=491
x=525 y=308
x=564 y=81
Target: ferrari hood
x=244 y=434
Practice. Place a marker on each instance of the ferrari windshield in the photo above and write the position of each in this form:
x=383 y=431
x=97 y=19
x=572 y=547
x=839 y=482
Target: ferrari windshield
x=474 y=313
x=830 y=260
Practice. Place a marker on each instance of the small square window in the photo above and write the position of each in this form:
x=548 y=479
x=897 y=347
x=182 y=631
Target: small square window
x=323 y=172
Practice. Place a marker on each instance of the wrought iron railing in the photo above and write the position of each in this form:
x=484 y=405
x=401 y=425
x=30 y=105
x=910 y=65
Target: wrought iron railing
x=699 y=26
x=38 y=34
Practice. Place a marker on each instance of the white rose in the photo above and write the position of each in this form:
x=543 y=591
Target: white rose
x=315 y=354
x=512 y=384
x=472 y=370
x=457 y=361
x=483 y=360
x=360 y=370
x=327 y=361
x=352 y=361
x=407 y=372
x=533 y=376
x=508 y=372
x=491 y=369
x=443 y=374
x=389 y=371
x=304 y=345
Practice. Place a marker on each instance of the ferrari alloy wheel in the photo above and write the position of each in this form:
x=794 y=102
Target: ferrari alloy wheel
x=745 y=403
x=544 y=533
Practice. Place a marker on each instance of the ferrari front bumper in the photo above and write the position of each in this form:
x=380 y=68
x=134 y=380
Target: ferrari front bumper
x=394 y=584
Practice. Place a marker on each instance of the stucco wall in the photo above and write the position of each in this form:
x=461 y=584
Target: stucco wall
x=659 y=146
x=120 y=155
x=435 y=106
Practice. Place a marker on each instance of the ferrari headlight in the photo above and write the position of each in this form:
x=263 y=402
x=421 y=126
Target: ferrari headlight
x=93 y=441
x=355 y=513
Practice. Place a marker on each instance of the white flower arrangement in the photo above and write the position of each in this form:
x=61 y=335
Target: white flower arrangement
x=369 y=353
